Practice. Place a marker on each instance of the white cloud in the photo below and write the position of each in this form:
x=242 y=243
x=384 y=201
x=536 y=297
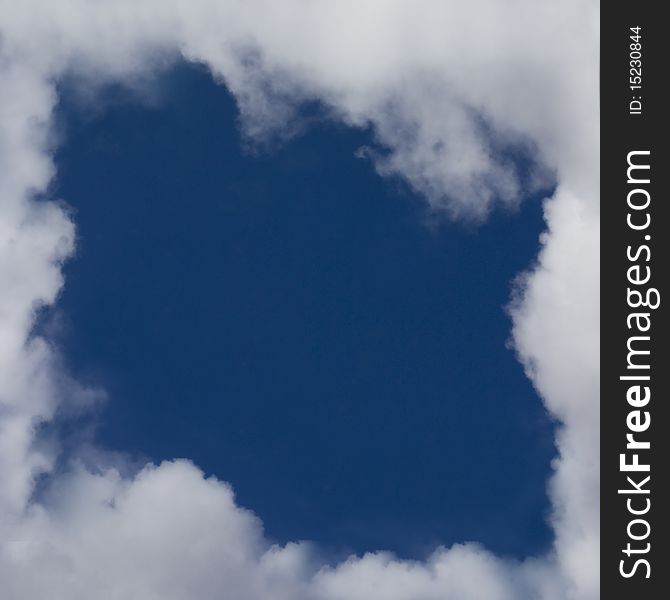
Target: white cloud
x=557 y=334
x=447 y=87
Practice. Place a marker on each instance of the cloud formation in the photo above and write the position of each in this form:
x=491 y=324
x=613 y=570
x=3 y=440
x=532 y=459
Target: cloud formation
x=450 y=89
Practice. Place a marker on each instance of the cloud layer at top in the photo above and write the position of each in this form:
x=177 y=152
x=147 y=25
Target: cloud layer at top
x=450 y=90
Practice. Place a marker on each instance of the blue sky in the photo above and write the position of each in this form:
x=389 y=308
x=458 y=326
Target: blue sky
x=300 y=327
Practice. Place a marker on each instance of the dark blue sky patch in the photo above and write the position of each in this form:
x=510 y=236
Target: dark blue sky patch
x=287 y=321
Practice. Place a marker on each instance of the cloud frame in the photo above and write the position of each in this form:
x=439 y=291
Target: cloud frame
x=555 y=311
